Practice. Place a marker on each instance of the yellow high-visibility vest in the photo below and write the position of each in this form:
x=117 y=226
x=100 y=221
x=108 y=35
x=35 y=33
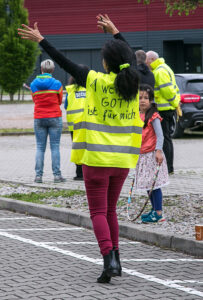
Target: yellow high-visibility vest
x=76 y=102
x=109 y=133
x=166 y=91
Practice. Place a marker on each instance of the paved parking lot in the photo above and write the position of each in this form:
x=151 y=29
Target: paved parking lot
x=43 y=259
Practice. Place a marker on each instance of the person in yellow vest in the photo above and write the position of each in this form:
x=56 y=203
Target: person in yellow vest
x=107 y=138
x=167 y=98
x=167 y=94
x=74 y=105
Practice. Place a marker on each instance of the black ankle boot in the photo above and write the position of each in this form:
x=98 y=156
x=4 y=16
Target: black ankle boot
x=118 y=261
x=111 y=268
x=103 y=278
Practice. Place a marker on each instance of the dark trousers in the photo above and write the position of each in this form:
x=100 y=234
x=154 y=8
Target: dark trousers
x=78 y=167
x=168 y=144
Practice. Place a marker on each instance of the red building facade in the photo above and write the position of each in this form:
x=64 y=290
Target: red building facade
x=71 y=27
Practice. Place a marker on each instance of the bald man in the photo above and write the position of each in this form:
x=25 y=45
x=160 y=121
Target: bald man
x=167 y=98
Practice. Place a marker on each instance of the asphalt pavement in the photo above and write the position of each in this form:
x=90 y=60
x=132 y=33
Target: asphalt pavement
x=47 y=260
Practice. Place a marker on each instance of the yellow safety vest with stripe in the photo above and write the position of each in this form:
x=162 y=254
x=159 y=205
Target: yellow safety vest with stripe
x=166 y=91
x=76 y=102
x=109 y=133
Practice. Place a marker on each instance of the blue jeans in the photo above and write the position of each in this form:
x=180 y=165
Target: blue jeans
x=43 y=128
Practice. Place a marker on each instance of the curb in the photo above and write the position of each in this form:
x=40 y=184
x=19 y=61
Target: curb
x=17 y=133
x=130 y=231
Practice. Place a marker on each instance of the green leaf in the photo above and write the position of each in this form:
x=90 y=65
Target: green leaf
x=180 y=6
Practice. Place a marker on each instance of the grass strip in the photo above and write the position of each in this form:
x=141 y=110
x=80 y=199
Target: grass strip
x=23 y=130
x=15 y=130
x=37 y=197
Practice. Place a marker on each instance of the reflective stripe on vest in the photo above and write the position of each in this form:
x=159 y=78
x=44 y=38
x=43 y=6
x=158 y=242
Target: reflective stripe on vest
x=75 y=111
x=162 y=67
x=107 y=128
x=171 y=99
x=163 y=105
x=106 y=148
x=162 y=86
x=70 y=124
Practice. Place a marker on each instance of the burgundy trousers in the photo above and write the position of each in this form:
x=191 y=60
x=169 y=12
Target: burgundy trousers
x=103 y=187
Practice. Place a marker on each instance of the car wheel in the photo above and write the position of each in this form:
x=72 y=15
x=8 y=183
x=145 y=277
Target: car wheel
x=176 y=130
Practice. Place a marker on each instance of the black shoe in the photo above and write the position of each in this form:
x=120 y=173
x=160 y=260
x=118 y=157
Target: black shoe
x=111 y=268
x=104 y=278
x=118 y=261
x=78 y=178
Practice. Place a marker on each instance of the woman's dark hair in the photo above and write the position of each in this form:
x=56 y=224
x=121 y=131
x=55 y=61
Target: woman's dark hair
x=153 y=107
x=116 y=53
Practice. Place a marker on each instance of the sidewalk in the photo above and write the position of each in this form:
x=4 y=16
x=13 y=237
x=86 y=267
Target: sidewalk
x=19 y=115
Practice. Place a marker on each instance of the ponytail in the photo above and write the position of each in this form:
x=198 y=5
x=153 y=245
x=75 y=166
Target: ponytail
x=127 y=83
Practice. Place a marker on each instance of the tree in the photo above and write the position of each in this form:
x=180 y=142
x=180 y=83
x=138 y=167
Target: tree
x=17 y=56
x=180 y=6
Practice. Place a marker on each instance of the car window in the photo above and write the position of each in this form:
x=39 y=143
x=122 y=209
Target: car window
x=194 y=86
x=179 y=82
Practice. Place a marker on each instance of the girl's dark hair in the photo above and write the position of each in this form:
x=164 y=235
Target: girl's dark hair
x=116 y=53
x=153 y=107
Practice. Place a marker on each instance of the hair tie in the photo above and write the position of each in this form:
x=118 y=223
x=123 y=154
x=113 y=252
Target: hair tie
x=124 y=66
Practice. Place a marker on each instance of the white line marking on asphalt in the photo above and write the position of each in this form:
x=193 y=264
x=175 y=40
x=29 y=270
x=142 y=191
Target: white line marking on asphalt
x=162 y=260
x=16 y=218
x=186 y=281
x=43 y=229
x=132 y=243
x=151 y=278
x=163 y=282
x=84 y=243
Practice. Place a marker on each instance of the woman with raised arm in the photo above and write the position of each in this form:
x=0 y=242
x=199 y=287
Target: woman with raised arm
x=106 y=139
x=146 y=76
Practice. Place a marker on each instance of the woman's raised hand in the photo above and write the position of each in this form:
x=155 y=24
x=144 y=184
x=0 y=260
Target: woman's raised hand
x=32 y=34
x=104 y=23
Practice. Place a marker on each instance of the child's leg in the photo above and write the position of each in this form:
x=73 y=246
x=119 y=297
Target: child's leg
x=145 y=215
x=157 y=200
x=151 y=199
x=156 y=214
